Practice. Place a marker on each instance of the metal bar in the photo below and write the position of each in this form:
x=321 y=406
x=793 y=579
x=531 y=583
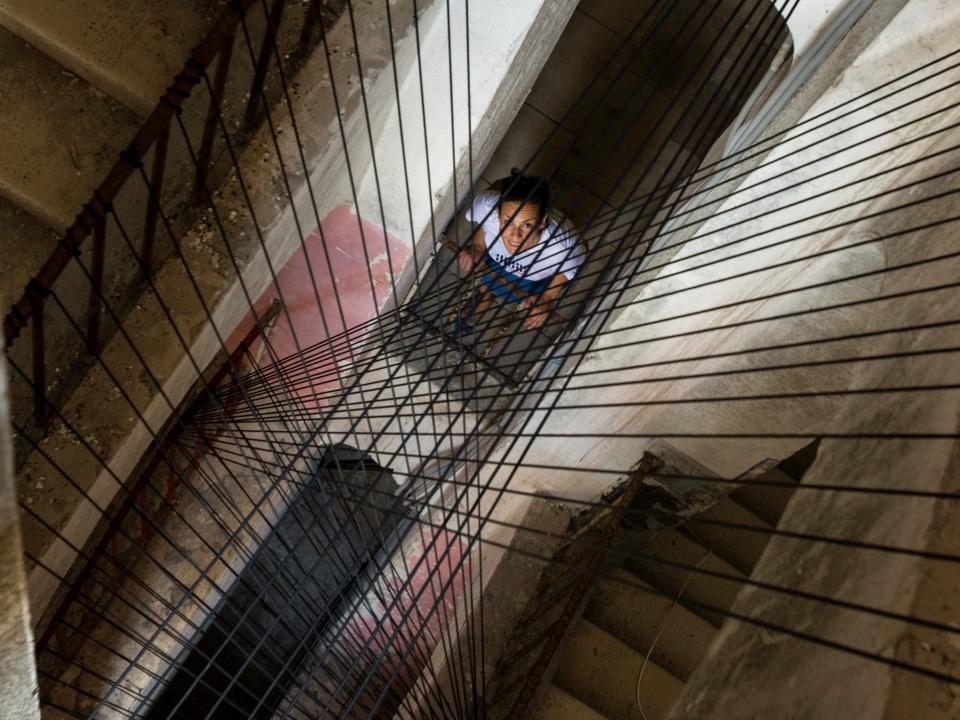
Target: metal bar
x=34 y=296
x=96 y=283
x=153 y=202
x=260 y=74
x=314 y=15
x=102 y=546
x=451 y=245
x=209 y=128
x=460 y=345
x=145 y=138
x=534 y=642
x=135 y=491
x=648 y=464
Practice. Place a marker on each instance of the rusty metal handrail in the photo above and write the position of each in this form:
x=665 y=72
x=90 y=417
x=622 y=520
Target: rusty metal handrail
x=550 y=639
x=153 y=134
x=67 y=636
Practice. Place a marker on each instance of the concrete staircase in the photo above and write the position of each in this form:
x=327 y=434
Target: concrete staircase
x=77 y=80
x=635 y=642
x=77 y=77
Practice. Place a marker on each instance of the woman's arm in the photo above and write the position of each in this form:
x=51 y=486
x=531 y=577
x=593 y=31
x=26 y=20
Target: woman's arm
x=541 y=306
x=470 y=256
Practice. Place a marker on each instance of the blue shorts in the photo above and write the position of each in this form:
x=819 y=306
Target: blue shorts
x=502 y=283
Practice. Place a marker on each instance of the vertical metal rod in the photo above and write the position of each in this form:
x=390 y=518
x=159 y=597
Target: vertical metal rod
x=39 y=355
x=96 y=282
x=536 y=672
x=209 y=129
x=314 y=15
x=153 y=202
x=130 y=501
x=253 y=104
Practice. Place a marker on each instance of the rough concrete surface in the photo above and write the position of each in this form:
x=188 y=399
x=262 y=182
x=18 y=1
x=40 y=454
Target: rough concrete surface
x=62 y=135
x=688 y=318
x=752 y=672
x=636 y=615
x=100 y=448
x=32 y=241
x=602 y=671
x=18 y=674
x=558 y=704
x=104 y=41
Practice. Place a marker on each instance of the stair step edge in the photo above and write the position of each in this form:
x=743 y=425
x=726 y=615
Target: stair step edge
x=136 y=85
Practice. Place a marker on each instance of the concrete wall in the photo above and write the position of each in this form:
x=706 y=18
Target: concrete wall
x=748 y=257
x=18 y=674
x=681 y=313
x=100 y=443
x=781 y=670
x=808 y=20
x=678 y=291
x=753 y=673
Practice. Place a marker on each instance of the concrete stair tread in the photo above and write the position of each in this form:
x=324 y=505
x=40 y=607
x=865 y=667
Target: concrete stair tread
x=602 y=672
x=25 y=245
x=741 y=548
x=558 y=704
x=797 y=464
x=102 y=41
x=767 y=502
x=62 y=135
x=675 y=546
x=635 y=616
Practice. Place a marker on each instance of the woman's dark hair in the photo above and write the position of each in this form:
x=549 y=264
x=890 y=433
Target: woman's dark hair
x=528 y=190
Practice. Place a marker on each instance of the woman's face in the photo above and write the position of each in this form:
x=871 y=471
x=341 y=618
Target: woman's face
x=518 y=225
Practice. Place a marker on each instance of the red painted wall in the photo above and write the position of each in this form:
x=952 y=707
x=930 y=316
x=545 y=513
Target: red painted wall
x=363 y=260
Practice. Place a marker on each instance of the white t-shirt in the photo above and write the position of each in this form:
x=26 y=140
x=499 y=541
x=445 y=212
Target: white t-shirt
x=557 y=251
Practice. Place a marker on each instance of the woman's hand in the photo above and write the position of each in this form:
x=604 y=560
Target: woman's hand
x=467 y=260
x=538 y=308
